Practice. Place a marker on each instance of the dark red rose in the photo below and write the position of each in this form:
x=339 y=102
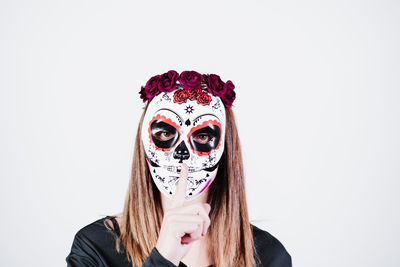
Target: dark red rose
x=229 y=95
x=194 y=93
x=143 y=94
x=205 y=79
x=151 y=88
x=190 y=79
x=204 y=98
x=168 y=81
x=180 y=96
x=215 y=85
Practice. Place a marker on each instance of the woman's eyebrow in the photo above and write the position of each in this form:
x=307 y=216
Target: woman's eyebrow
x=198 y=117
x=177 y=115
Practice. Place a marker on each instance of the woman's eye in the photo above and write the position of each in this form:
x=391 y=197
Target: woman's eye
x=202 y=138
x=164 y=135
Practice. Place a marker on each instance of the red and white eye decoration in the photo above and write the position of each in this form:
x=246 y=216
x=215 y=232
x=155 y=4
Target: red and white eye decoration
x=163 y=132
x=174 y=132
x=205 y=137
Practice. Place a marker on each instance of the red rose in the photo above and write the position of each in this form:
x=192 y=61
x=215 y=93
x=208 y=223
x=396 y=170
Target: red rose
x=204 y=98
x=168 y=81
x=190 y=79
x=180 y=96
x=194 y=93
x=151 y=88
x=229 y=95
x=215 y=85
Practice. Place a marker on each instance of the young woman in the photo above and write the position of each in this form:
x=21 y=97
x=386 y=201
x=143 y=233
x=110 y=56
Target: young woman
x=186 y=202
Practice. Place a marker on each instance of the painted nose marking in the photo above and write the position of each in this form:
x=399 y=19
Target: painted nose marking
x=181 y=152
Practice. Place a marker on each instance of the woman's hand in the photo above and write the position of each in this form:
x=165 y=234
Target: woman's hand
x=182 y=225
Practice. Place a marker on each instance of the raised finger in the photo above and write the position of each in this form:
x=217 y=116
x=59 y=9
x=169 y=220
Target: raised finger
x=180 y=192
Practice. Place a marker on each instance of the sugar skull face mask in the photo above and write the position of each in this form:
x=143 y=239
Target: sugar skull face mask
x=177 y=129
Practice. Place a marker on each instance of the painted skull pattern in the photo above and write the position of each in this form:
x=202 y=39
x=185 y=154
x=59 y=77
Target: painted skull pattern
x=177 y=129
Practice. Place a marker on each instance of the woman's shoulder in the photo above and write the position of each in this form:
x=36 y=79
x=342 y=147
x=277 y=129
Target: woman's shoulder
x=270 y=250
x=95 y=231
x=94 y=244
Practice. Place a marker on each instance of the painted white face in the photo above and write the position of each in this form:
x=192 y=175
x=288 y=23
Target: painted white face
x=174 y=132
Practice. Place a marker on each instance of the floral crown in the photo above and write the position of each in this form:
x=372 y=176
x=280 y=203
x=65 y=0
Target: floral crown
x=191 y=85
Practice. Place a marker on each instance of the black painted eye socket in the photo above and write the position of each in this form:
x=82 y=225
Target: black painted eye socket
x=205 y=139
x=163 y=134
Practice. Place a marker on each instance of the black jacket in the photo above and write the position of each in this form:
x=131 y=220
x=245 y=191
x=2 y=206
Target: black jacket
x=94 y=245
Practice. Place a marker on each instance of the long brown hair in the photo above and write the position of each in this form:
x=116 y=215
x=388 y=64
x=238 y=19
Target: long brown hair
x=230 y=229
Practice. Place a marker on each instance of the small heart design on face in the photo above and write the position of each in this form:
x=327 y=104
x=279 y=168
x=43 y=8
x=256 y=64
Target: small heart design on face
x=176 y=132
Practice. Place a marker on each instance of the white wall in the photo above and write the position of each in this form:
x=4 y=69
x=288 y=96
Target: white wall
x=317 y=107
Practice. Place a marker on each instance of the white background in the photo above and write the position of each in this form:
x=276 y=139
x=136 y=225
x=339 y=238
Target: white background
x=317 y=108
